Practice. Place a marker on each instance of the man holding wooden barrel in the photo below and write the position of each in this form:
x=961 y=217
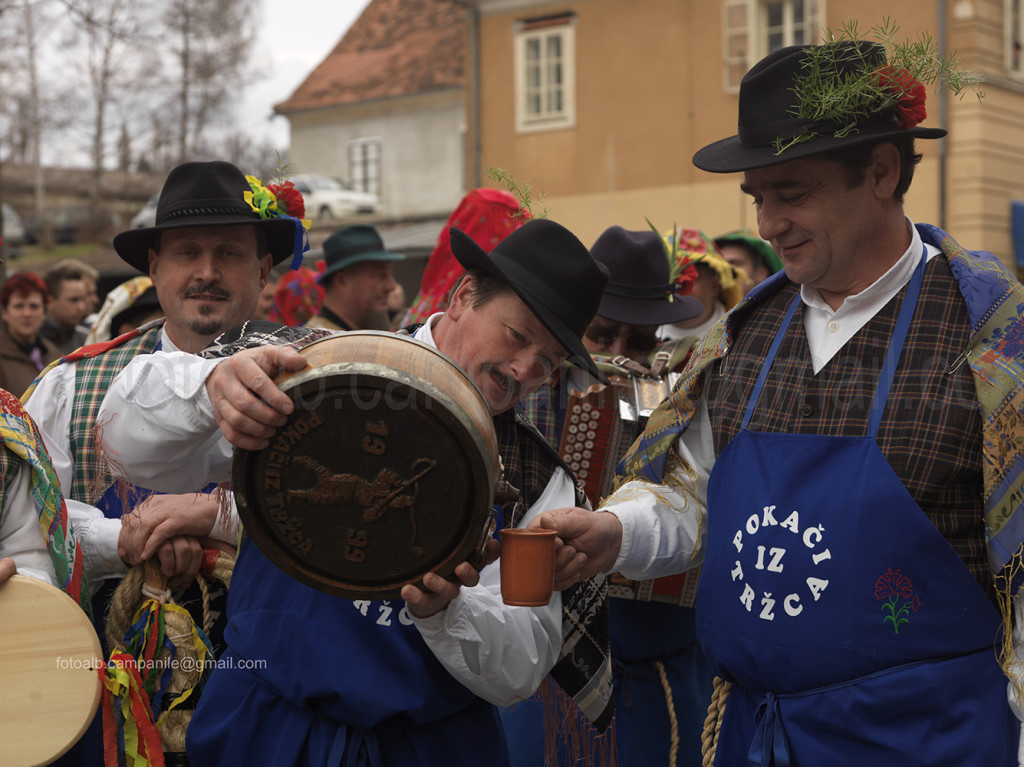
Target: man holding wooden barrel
x=312 y=678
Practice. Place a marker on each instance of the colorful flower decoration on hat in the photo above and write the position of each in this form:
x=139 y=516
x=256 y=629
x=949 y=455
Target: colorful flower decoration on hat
x=908 y=93
x=281 y=201
x=842 y=85
x=289 y=198
x=682 y=272
x=686 y=247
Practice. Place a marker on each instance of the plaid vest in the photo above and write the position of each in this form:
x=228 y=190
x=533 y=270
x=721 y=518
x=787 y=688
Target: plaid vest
x=93 y=375
x=528 y=460
x=931 y=429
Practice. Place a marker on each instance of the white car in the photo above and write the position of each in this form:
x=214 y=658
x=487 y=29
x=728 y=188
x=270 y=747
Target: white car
x=146 y=217
x=326 y=197
x=14 y=232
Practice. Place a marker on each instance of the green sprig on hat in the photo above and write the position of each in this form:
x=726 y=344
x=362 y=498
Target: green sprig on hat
x=521 y=190
x=843 y=85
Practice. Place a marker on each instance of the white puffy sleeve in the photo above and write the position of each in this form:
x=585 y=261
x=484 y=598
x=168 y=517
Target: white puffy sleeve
x=663 y=524
x=500 y=652
x=159 y=427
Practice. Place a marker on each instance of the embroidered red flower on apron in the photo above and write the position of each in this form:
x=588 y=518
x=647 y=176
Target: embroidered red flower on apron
x=900 y=600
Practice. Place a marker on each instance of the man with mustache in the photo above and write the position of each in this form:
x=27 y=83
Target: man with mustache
x=357 y=280
x=209 y=255
x=316 y=679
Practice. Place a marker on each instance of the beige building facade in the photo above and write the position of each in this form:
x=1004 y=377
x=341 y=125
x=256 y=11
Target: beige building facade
x=600 y=104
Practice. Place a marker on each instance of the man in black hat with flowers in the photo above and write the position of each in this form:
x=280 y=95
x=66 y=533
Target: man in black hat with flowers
x=209 y=255
x=400 y=682
x=838 y=455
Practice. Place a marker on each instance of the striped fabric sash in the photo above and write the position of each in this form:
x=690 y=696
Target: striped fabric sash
x=21 y=438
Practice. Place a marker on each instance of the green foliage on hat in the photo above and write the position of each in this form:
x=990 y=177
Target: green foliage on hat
x=843 y=84
x=521 y=190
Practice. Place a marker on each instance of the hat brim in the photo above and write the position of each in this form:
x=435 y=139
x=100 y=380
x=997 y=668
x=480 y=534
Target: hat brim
x=133 y=245
x=659 y=311
x=373 y=255
x=728 y=155
x=472 y=256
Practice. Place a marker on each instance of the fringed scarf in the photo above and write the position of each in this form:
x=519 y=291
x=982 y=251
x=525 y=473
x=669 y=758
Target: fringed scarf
x=20 y=436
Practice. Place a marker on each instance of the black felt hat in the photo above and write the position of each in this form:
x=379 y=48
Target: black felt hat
x=204 y=194
x=552 y=272
x=768 y=112
x=639 y=291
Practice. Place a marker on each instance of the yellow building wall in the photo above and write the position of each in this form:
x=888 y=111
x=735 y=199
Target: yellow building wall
x=649 y=93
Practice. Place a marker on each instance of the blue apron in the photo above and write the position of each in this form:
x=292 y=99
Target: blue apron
x=852 y=632
x=317 y=680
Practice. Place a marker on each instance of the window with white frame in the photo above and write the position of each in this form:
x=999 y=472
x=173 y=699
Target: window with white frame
x=1014 y=37
x=364 y=164
x=751 y=29
x=545 y=73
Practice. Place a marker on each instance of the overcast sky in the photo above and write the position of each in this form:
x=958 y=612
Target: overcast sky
x=296 y=35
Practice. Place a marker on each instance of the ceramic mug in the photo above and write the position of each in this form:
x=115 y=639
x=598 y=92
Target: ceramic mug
x=527 y=566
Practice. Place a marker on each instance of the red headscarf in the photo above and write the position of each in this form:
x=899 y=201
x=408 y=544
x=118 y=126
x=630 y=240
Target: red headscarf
x=297 y=297
x=488 y=216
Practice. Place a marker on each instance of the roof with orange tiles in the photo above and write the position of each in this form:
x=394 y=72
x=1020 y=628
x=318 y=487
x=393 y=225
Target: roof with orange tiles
x=395 y=48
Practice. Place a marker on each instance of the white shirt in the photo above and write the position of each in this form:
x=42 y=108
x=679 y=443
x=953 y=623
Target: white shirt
x=672 y=332
x=167 y=438
x=50 y=406
x=830 y=330
x=21 y=539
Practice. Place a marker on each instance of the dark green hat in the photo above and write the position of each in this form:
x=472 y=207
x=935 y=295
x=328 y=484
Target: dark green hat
x=761 y=249
x=351 y=245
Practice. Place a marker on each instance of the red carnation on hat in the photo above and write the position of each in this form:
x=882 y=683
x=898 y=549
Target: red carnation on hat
x=909 y=94
x=289 y=199
x=682 y=285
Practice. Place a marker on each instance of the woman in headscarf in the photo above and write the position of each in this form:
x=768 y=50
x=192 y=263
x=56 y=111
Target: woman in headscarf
x=488 y=216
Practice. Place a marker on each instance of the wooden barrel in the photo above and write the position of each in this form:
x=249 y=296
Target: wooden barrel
x=385 y=470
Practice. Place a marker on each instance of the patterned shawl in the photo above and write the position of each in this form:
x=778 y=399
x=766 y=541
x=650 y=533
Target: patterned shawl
x=20 y=436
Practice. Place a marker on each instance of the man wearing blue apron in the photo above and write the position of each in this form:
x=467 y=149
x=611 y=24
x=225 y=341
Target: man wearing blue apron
x=838 y=453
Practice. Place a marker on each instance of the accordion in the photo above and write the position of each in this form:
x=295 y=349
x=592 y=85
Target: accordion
x=601 y=422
